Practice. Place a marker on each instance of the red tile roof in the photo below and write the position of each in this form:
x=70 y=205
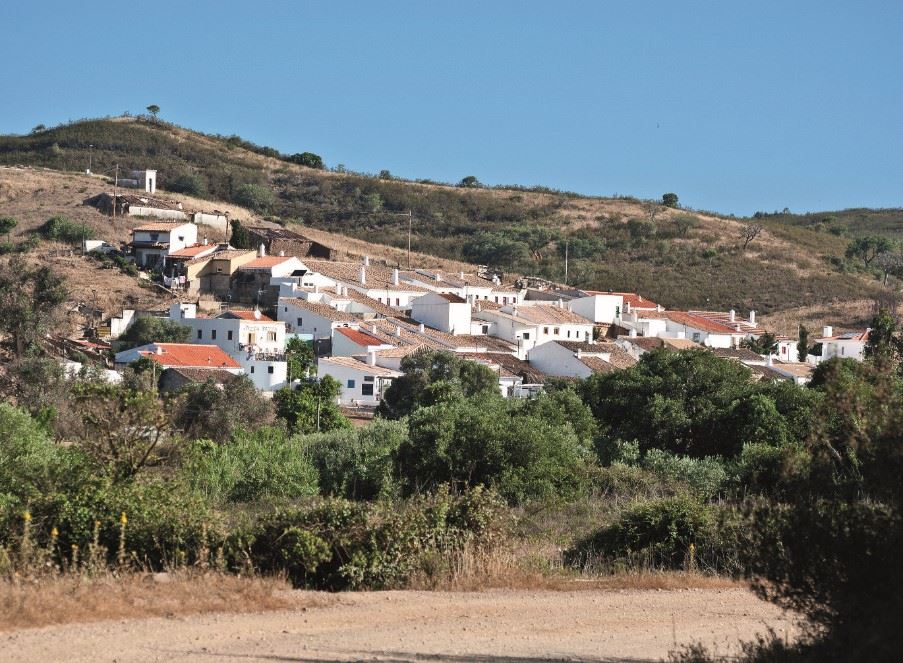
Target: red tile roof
x=698 y=322
x=190 y=356
x=161 y=226
x=358 y=337
x=266 y=262
x=193 y=251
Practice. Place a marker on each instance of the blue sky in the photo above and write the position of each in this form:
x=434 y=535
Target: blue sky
x=736 y=107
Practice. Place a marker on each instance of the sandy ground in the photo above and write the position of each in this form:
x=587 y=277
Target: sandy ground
x=489 y=627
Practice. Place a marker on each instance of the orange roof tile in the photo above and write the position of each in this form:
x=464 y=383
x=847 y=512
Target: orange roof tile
x=190 y=356
x=193 y=251
x=253 y=316
x=266 y=262
x=358 y=337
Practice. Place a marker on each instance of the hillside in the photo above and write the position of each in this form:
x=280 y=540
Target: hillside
x=678 y=257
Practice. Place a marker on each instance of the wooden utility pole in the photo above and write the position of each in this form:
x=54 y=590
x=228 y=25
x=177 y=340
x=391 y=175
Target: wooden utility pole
x=115 y=186
x=410 y=223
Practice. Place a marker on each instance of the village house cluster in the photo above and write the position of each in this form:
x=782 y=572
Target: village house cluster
x=363 y=318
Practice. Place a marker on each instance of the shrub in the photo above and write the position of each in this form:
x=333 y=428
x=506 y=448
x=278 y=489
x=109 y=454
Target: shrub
x=255 y=197
x=61 y=229
x=263 y=465
x=705 y=476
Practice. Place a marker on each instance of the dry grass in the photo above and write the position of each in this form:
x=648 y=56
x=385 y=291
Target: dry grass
x=77 y=598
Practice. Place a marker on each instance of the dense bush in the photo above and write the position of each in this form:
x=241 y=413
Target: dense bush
x=154 y=330
x=61 y=229
x=262 y=465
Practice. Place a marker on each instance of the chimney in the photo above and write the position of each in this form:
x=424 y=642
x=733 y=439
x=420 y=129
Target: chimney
x=632 y=333
x=371 y=358
x=282 y=254
x=438 y=276
x=770 y=359
x=338 y=289
x=363 y=275
x=579 y=353
x=205 y=241
x=257 y=314
x=316 y=289
x=158 y=350
x=366 y=261
x=398 y=331
x=373 y=328
x=262 y=251
x=626 y=307
x=560 y=303
x=422 y=328
x=394 y=277
x=658 y=307
x=752 y=317
x=827 y=332
x=733 y=315
x=461 y=275
x=479 y=306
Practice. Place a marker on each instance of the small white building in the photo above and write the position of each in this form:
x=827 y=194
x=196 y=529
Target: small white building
x=303 y=316
x=576 y=359
x=446 y=312
x=363 y=383
x=849 y=345
x=153 y=242
x=348 y=342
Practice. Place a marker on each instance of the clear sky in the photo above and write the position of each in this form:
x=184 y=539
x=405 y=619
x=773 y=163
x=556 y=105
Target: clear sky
x=736 y=107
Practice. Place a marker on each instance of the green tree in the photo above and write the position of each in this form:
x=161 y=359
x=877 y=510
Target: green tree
x=218 y=412
x=867 y=249
x=469 y=182
x=29 y=298
x=154 y=330
x=192 y=184
x=669 y=200
x=311 y=406
x=300 y=357
x=153 y=109
x=7 y=223
x=255 y=197
x=308 y=159
x=240 y=238
x=802 y=347
x=766 y=344
x=883 y=344
x=431 y=377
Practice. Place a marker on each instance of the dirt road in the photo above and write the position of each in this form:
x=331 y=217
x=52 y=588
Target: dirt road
x=488 y=627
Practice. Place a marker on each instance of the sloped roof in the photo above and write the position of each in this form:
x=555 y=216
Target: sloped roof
x=363 y=367
x=742 y=354
x=698 y=322
x=848 y=336
x=266 y=262
x=545 y=314
x=193 y=251
x=190 y=355
x=359 y=337
x=253 y=316
x=597 y=364
x=160 y=226
x=361 y=298
x=218 y=375
x=724 y=318
x=635 y=300
x=322 y=310
x=378 y=277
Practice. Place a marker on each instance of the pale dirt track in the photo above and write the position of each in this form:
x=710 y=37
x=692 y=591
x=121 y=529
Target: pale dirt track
x=487 y=627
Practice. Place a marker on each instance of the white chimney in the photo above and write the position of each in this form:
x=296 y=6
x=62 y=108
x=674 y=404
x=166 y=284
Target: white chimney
x=626 y=307
x=658 y=307
x=205 y=241
x=422 y=328
x=257 y=314
x=632 y=333
x=338 y=289
x=373 y=328
x=752 y=317
x=579 y=353
x=394 y=277
x=158 y=350
x=363 y=275
x=438 y=276
x=262 y=251
x=770 y=359
x=282 y=254
x=366 y=261
x=371 y=358
x=827 y=332
x=316 y=289
x=733 y=315
x=461 y=275
x=398 y=330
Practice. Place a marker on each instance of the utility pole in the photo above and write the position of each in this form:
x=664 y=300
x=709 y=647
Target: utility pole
x=565 y=262
x=90 y=154
x=115 y=186
x=410 y=223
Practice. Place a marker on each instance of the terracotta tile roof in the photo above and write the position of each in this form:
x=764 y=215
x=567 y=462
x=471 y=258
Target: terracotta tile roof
x=228 y=254
x=363 y=367
x=741 y=354
x=276 y=233
x=266 y=262
x=597 y=365
x=160 y=226
x=795 y=368
x=724 y=318
x=699 y=322
x=453 y=299
x=322 y=310
x=848 y=336
x=510 y=365
x=545 y=314
x=378 y=277
x=361 y=298
x=218 y=375
x=632 y=298
x=402 y=351
x=193 y=251
x=253 y=316
x=359 y=337
x=190 y=355
x=680 y=343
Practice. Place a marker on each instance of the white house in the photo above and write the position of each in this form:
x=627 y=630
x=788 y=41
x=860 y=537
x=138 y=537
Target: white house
x=254 y=340
x=577 y=359
x=347 y=342
x=446 y=312
x=849 y=345
x=527 y=326
x=152 y=242
x=363 y=383
x=303 y=316
x=712 y=329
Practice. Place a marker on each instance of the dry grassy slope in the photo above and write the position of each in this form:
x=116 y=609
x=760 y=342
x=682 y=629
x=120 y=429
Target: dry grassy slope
x=34 y=195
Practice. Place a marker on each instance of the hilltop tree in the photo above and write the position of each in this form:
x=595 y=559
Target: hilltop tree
x=153 y=109
x=255 y=197
x=669 y=200
x=469 y=182
x=883 y=344
x=308 y=159
x=749 y=232
x=868 y=248
x=766 y=344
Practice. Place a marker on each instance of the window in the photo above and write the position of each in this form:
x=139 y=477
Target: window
x=696 y=337
x=504 y=300
x=569 y=333
x=229 y=335
x=485 y=329
x=155 y=236
x=557 y=331
x=368 y=378
x=545 y=331
x=252 y=369
x=397 y=301
x=270 y=370
x=350 y=384
x=496 y=299
x=367 y=389
x=285 y=308
x=271 y=336
x=526 y=336
x=300 y=322
x=213 y=335
x=200 y=333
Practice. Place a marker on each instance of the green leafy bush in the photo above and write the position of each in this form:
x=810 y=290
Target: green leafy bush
x=61 y=229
